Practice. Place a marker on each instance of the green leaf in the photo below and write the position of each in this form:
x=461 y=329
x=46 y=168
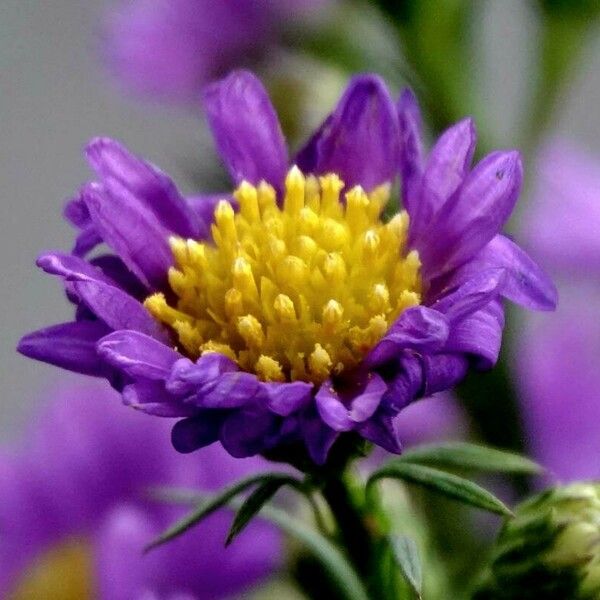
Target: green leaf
x=252 y=505
x=335 y=563
x=215 y=503
x=406 y=553
x=471 y=456
x=440 y=482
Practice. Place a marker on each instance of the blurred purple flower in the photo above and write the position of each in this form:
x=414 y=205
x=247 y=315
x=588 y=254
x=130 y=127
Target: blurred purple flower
x=558 y=358
x=391 y=311
x=168 y=49
x=75 y=513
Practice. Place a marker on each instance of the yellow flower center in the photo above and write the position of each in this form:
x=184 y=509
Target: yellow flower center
x=62 y=573
x=296 y=292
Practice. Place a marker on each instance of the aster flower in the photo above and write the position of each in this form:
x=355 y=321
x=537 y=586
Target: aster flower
x=304 y=315
x=75 y=513
x=557 y=359
x=168 y=49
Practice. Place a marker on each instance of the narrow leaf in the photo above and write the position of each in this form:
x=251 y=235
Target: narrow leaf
x=326 y=552
x=471 y=456
x=252 y=505
x=406 y=554
x=440 y=482
x=215 y=503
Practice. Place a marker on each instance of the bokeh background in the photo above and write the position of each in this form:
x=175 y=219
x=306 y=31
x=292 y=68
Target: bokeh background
x=56 y=94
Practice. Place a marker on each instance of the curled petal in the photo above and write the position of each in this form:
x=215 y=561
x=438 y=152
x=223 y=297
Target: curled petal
x=151 y=397
x=443 y=371
x=285 y=399
x=359 y=140
x=471 y=295
x=194 y=378
x=417 y=328
x=526 y=283
x=342 y=414
x=479 y=335
x=246 y=129
x=229 y=390
x=71 y=346
x=138 y=355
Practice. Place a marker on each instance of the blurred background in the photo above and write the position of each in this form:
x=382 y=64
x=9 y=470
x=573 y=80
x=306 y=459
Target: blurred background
x=57 y=92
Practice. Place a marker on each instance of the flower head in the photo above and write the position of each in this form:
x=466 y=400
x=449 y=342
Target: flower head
x=307 y=313
x=550 y=549
x=168 y=49
x=75 y=511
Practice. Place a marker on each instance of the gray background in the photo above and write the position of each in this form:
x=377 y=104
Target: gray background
x=55 y=96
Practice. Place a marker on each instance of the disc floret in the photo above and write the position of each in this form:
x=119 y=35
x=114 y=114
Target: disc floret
x=299 y=291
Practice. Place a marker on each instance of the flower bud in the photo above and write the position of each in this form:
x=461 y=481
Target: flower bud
x=550 y=550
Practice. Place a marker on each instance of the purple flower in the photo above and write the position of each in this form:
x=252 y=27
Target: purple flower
x=168 y=49
x=75 y=513
x=557 y=359
x=304 y=315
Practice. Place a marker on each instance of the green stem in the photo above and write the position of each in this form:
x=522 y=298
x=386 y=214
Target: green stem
x=352 y=529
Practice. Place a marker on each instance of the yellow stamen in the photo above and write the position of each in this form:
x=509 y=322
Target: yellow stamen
x=298 y=291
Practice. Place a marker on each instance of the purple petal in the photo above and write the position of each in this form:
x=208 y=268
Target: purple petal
x=247 y=432
x=71 y=346
x=445 y=171
x=87 y=239
x=318 y=437
x=286 y=398
x=471 y=295
x=331 y=409
x=480 y=335
x=366 y=403
x=359 y=140
x=405 y=386
x=124 y=175
x=152 y=398
x=246 y=129
x=76 y=212
x=526 y=283
x=118 y=309
x=116 y=270
x=138 y=355
x=417 y=328
x=188 y=378
x=471 y=219
x=133 y=232
x=71 y=267
x=381 y=430
x=197 y=432
x=229 y=390
x=411 y=149
x=443 y=371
